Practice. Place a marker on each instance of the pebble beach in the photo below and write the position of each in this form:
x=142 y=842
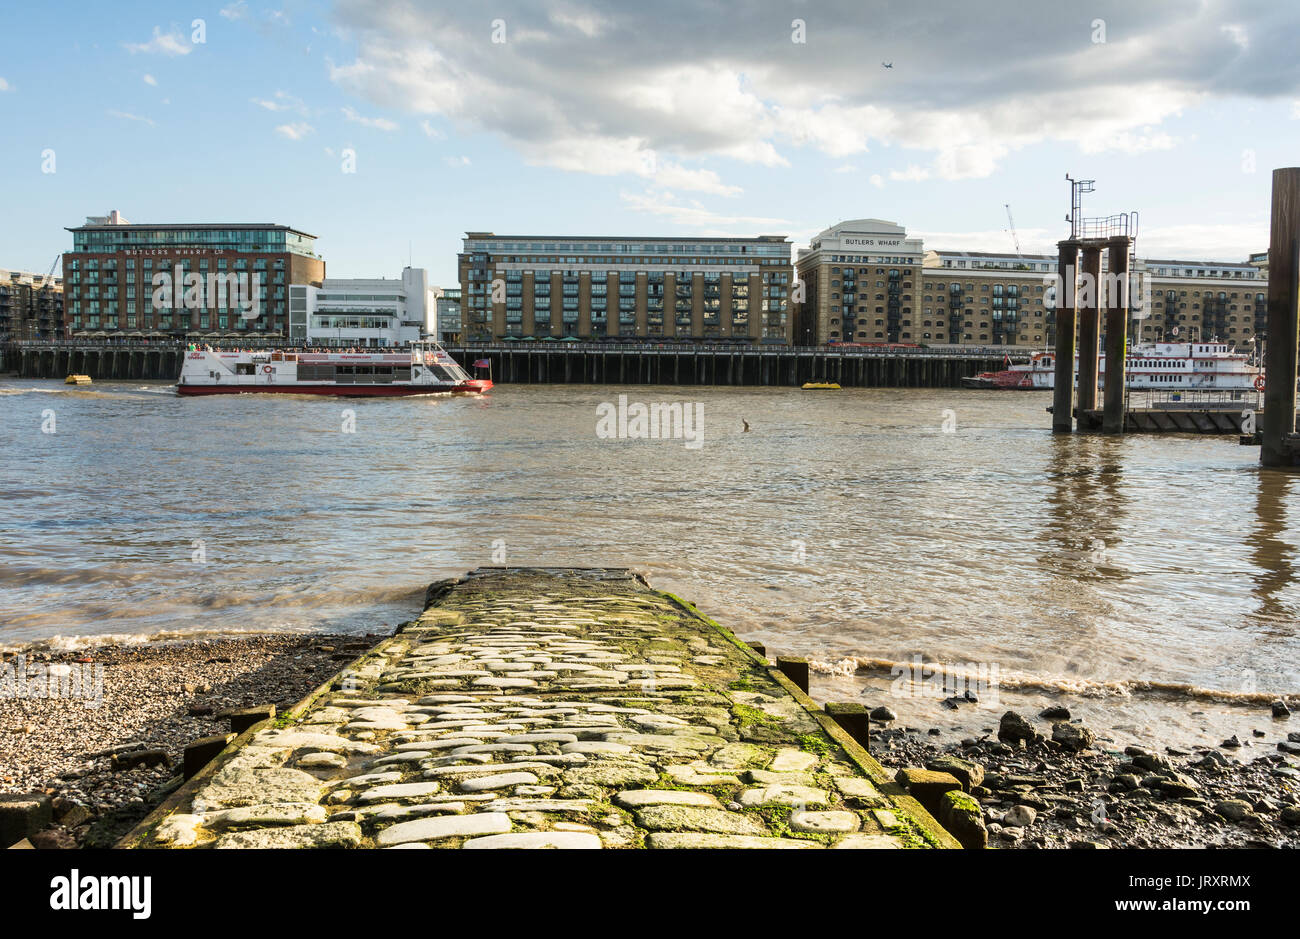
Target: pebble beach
x=106 y=761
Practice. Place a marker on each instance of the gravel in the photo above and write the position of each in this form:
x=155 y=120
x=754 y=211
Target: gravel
x=156 y=696
x=1039 y=792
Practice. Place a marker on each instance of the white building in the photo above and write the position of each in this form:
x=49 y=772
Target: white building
x=363 y=311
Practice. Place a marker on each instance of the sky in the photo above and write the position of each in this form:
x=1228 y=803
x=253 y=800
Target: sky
x=389 y=128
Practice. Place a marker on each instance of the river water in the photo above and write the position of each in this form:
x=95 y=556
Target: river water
x=1146 y=582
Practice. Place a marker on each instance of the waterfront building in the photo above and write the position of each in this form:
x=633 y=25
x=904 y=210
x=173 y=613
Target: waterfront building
x=865 y=281
x=626 y=288
x=448 y=329
x=986 y=298
x=860 y=282
x=31 y=306
x=108 y=277
x=367 y=311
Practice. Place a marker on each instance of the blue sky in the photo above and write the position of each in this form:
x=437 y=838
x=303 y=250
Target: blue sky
x=638 y=119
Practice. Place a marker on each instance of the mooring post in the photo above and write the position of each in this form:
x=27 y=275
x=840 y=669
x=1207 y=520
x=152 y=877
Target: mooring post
x=795 y=668
x=1278 y=425
x=854 y=718
x=1089 y=313
x=1112 y=418
x=1063 y=390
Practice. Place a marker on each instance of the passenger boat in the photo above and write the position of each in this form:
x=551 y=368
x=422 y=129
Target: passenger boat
x=1160 y=366
x=423 y=369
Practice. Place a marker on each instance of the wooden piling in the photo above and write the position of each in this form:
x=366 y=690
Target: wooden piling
x=1112 y=418
x=1063 y=391
x=1089 y=314
x=1278 y=447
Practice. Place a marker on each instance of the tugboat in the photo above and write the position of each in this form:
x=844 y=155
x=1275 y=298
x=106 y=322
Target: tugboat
x=424 y=369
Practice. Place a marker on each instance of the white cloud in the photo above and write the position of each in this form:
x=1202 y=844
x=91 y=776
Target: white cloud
x=4 y=85
x=126 y=116
x=1237 y=33
x=236 y=11
x=845 y=168
x=295 y=131
x=717 y=86
x=877 y=180
x=379 y=123
x=1295 y=110
x=455 y=162
x=150 y=80
x=913 y=174
x=281 y=101
x=430 y=131
x=585 y=21
x=171 y=43
x=694 y=215
x=1228 y=241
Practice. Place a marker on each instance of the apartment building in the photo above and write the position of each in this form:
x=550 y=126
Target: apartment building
x=109 y=277
x=626 y=288
x=31 y=306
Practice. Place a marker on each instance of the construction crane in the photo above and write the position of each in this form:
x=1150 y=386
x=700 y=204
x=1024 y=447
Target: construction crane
x=1012 y=222
x=49 y=278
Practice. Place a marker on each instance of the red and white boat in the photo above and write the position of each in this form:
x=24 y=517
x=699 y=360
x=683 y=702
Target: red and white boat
x=1156 y=366
x=424 y=369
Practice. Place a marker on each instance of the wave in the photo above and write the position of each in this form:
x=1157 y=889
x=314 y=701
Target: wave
x=1073 y=685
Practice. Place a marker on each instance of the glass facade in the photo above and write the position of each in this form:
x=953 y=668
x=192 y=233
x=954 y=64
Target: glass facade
x=252 y=239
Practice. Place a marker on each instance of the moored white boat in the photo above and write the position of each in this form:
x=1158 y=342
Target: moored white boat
x=423 y=369
x=1158 y=366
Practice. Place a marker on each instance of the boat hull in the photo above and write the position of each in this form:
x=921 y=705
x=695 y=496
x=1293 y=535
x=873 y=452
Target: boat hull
x=339 y=391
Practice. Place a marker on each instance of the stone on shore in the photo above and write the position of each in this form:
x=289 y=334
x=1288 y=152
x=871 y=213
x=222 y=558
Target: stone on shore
x=1013 y=728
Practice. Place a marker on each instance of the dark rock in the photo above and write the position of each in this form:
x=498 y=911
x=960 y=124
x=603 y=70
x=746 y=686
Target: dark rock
x=1056 y=712
x=133 y=758
x=1073 y=737
x=1153 y=763
x=883 y=714
x=1233 y=809
x=1280 y=709
x=1123 y=783
x=1231 y=743
x=1014 y=728
x=1291 y=815
x=58 y=839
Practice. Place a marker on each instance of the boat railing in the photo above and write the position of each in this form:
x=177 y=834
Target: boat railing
x=1196 y=399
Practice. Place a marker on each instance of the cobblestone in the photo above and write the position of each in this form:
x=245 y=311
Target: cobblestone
x=532 y=708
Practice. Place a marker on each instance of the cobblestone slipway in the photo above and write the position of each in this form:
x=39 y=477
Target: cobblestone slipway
x=541 y=708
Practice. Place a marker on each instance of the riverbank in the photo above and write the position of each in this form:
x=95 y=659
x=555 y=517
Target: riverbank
x=152 y=699
x=1036 y=790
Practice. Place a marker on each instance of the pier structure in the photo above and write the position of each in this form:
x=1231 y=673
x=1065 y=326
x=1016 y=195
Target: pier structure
x=1279 y=443
x=561 y=708
x=1080 y=304
x=584 y=363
